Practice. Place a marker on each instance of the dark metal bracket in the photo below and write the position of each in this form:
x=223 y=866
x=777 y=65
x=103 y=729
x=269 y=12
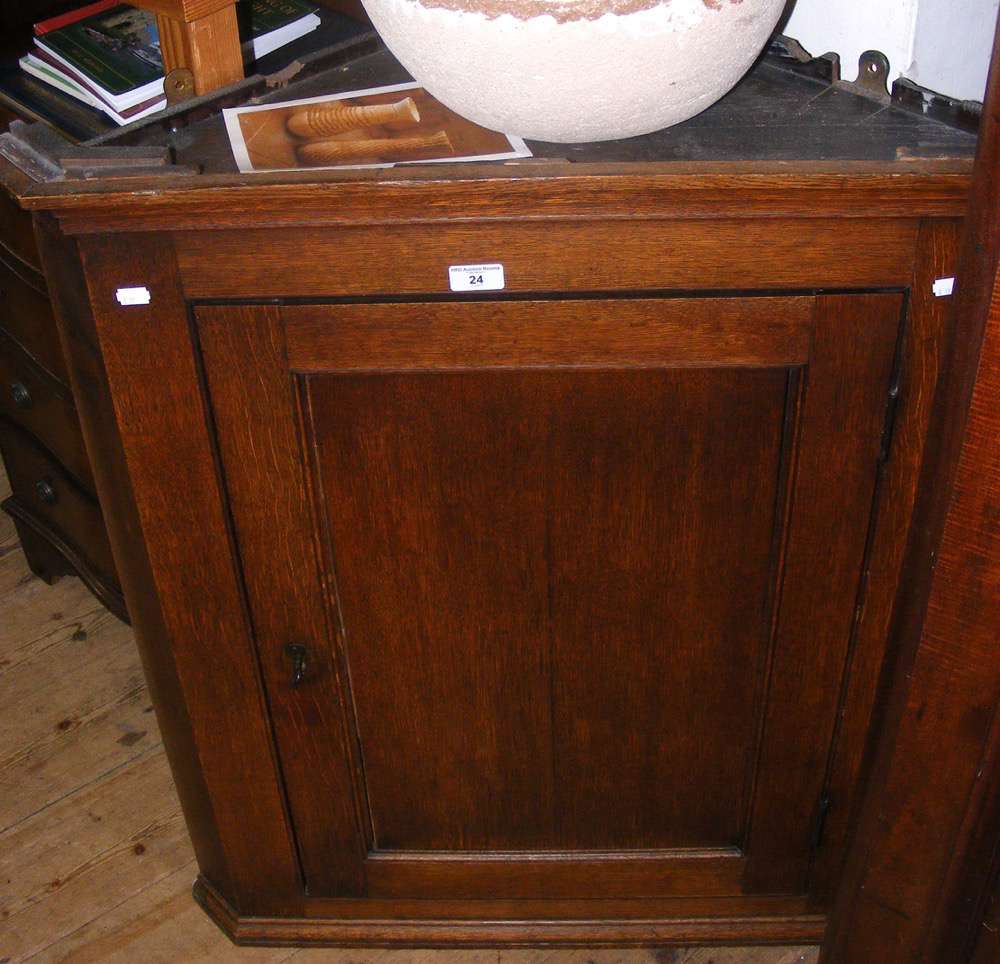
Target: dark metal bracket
x=45 y=155
x=873 y=75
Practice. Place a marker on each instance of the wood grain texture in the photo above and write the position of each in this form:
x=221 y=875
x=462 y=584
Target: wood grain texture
x=971 y=909
x=230 y=334
x=549 y=191
x=574 y=532
x=63 y=505
x=208 y=46
x=822 y=573
x=569 y=523
x=909 y=855
x=27 y=318
x=186 y=744
x=986 y=939
x=36 y=408
x=255 y=411
x=549 y=334
x=555 y=257
x=51 y=555
x=186 y=10
x=79 y=339
x=533 y=876
x=150 y=916
x=925 y=335
x=17 y=239
x=79 y=695
x=588 y=230
x=44 y=409
x=670 y=923
x=84 y=847
x=98 y=689
x=930 y=818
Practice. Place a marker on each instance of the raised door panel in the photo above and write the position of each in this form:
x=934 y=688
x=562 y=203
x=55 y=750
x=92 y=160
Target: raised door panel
x=552 y=586
x=574 y=580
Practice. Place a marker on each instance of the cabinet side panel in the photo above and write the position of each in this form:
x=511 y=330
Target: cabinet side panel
x=103 y=439
x=197 y=631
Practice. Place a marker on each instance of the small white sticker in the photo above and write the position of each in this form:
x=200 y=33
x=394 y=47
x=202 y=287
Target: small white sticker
x=476 y=277
x=133 y=296
x=944 y=287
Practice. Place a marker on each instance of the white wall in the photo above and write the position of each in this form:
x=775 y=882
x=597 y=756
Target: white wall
x=942 y=44
x=850 y=27
x=948 y=61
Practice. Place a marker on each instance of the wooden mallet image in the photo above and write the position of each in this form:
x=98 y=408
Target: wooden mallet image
x=325 y=120
x=384 y=149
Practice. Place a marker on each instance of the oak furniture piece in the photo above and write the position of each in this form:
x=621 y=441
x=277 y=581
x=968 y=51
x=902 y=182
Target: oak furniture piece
x=54 y=501
x=923 y=879
x=554 y=614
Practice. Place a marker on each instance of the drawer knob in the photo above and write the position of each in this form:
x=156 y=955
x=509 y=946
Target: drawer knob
x=22 y=397
x=45 y=491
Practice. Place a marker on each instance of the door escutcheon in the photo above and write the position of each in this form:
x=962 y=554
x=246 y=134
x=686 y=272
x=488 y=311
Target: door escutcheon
x=296 y=652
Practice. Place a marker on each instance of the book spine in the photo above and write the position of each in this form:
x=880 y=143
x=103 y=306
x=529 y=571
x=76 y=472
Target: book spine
x=60 y=83
x=54 y=23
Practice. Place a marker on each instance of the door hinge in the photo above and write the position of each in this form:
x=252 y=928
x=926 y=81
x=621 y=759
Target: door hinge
x=821 y=814
x=889 y=425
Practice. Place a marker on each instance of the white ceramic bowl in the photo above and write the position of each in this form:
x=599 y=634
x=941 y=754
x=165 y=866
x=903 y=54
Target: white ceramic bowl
x=576 y=70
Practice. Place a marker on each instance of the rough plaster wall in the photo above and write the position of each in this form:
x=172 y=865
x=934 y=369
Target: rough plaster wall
x=942 y=44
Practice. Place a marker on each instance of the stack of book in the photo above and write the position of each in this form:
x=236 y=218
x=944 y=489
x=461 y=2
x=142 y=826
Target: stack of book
x=107 y=54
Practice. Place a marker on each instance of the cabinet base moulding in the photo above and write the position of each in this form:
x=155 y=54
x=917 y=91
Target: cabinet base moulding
x=782 y=926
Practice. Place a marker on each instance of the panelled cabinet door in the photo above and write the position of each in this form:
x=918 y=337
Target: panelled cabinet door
x=552 y=598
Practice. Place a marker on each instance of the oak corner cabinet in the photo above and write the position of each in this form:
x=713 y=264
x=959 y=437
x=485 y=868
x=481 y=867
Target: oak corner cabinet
x=550 y=614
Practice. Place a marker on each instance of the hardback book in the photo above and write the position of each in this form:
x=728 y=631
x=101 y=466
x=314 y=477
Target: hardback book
x=53 y=23
x=39 y=65
x=270 y=24
x=108 y=54
x=116 y=49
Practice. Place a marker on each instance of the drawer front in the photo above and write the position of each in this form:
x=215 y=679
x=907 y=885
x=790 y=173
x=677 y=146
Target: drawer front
x=17 y=234
x=36 y=402
x=44 y=488
x=26 y=316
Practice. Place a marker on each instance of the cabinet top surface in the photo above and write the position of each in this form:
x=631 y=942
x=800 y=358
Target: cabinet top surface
x=781 y=143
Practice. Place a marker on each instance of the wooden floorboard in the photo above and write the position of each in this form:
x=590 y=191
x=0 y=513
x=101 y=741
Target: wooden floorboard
x=95 y=864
